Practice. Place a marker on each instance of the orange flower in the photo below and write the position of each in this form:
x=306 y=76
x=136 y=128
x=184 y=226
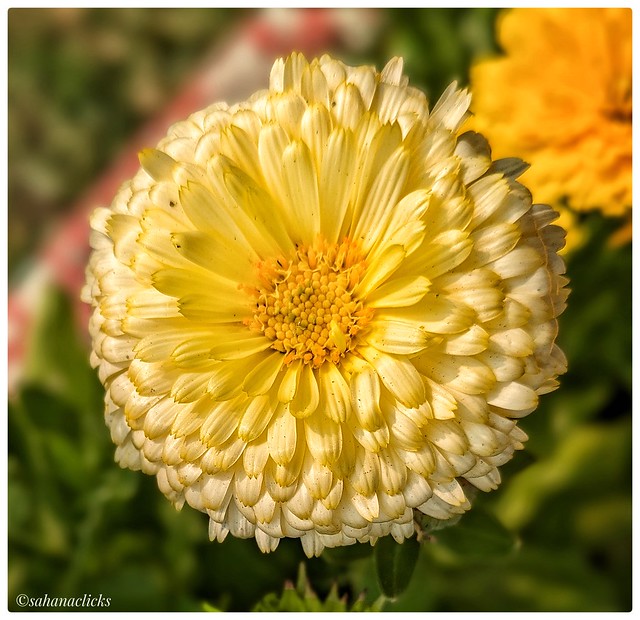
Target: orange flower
x=560 y=98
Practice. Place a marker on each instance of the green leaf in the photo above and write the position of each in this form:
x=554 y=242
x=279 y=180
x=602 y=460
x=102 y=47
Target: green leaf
x=478 y=534
x=395 y=563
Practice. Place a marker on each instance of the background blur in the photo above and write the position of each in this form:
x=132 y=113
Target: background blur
x=87 y=88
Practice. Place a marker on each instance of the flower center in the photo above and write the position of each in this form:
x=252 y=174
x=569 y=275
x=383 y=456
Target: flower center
x=307 y=306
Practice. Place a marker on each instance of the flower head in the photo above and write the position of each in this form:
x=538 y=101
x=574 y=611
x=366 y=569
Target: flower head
x=560 y=98
x=322 y=309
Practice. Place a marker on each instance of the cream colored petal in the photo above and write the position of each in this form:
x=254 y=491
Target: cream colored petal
x=295 y=66
x=347 y=106
x=367 y=506
x=521 y=260
x=236 y=143
x=157 y=165
x=513 y=342
x=389 y=101
x=332 y=500
x=265 y=510
x=255 y=456
x=317 y=477
x=493 y=242
x=373 y=441
x=315 y=130
x=365 y=477
x=114 y=350
x=145 y=303
x=189 y=386
x=248 y=489
x=159 y=419
x=344 y=465
x=288 y=474
x=190 y=417
x=513 y=396
x=409 y=210
x=451 y=493
x=448 y=213
x=405 y=431
x=366 y=81
x=475 y=153
x=393 y=472
x=504 y=367
x=225 y=456
x=416 y=490
x=447 y=435
x=443 y=404
x=434 y=313
x=220 y=422
x=286 y=110
x=441 y=254
x=392 y=71
x=471 y=342
x=334 y=71
x=452 y=108
x=486 y=483
x=397 y=337
x=487 y=194
x=466 y=374
x=394 y=507
x=313 y=85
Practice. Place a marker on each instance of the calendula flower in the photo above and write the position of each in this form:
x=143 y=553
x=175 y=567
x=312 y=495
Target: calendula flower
x=560 y=98
x=320 y=310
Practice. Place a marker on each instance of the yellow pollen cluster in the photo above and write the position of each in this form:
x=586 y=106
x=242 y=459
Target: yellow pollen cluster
x=307 y=305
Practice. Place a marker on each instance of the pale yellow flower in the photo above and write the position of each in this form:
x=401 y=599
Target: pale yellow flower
x=559 y=97
x=320 y=310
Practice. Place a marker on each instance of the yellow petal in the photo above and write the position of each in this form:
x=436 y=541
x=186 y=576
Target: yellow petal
x=399 y=292
x=262 y=377
x=282 y=437
x=399 y=376
x=307 y=395
x=365 y=397
x=256 y=417
x=334 y=393
x=324 y=438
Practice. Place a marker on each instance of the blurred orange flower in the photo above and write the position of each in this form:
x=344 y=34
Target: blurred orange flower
x=560 y=98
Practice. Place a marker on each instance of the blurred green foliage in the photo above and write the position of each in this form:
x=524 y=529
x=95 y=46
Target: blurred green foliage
x=555 y=537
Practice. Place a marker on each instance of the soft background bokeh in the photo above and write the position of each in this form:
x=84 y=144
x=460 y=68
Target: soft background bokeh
x=555 y=536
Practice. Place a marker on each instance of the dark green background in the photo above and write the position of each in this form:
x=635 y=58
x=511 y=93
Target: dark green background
x=556 y=536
